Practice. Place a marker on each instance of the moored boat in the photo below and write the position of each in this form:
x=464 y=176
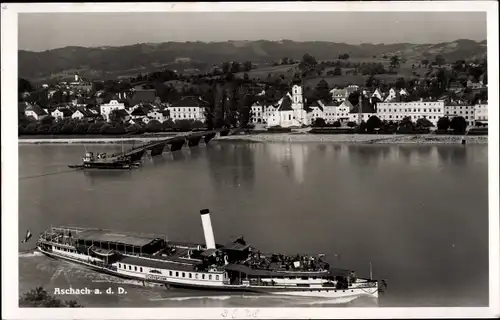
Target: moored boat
x=235 y=266
x=102 y=161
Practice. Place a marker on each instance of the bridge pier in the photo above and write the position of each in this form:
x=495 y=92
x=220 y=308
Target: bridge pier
x=157 y=150
x=193 y=141
x=209 y=137
x=177 y=145
x=137 y=155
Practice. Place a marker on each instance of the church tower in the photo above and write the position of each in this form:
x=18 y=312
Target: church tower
x=297 y=100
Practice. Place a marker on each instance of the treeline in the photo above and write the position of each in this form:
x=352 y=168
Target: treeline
x=457 y=125
x=73 y=126
x=39 y=298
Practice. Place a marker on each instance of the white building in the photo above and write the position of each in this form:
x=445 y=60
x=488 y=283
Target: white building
x=108 y=107
x=342 y=94
x=396 y=111
x=188 y=108
x=464 y=110
x=36 y=112
x=61 y=113
x=481 y=112
x=159 y=115
x=291 y=111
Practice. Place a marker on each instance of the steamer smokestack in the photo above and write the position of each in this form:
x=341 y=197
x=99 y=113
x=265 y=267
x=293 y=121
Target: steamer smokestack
x=207 y=228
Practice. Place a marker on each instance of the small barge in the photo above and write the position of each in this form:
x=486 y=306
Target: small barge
x=102 y=161
x=232 y=267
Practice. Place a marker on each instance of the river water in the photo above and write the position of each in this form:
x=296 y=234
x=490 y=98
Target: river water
x=419 y=214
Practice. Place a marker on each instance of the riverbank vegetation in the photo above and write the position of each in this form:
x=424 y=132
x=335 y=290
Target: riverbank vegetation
x=40 y=298
x=457 y=125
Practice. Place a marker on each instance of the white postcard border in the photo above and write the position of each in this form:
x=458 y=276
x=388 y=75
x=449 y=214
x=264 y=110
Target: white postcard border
x=10 y=236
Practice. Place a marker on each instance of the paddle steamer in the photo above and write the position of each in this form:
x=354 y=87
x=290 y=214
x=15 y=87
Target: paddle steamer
x=234 y=267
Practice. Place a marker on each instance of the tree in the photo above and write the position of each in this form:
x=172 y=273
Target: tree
x=395 y=61
x=225 y=67
x=406 y=125
x=337 y=71
x=400 y=83
x=319 y=122
x=235 y=67
x=323 y=91
x=154 y=126
x=351 y=124
x=424 y=123
x=373 y=123
x=440 y=60
x=308 y=63
x=39 y=298
x=47 y=120
x=458 y=124
x=24 y=85
x=337 y=124
x=247 y=66
x=425 y=62
x=443 y=123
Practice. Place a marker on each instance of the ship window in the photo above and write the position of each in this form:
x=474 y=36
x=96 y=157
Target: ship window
x=141 y=269
x=210 y=277
x=170 y=273
x=190 y=275
x=177 y=274
x=216 y=277
x=203 y=276
x=304 y=278
x=314 y=278
x=119 y=265
x=130 y=267
x=183 y=274
x=135 y=268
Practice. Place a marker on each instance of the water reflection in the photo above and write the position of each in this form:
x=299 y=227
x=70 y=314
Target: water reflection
x=291 y=157
x=178 y=155
x=96 y=176
x=232 y=164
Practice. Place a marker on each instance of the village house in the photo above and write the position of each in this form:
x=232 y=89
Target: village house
x=82 y=113
x=159 y=115
x=61 y=113
x=342 y=94
x=396 y=111
x=108 y=107
x=35 y=111
x=141 y=111
x=190 y=108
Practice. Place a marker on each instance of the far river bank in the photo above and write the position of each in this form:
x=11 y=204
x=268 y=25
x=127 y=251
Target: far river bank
x=286 y=137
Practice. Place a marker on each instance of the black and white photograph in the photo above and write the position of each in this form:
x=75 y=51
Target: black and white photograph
x=250 y=160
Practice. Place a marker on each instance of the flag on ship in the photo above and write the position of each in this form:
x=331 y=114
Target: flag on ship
x=27 y=237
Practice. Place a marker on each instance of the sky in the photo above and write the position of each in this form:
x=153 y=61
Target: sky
x=45 y=31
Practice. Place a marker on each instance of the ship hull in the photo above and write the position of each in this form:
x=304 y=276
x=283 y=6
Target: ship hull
x=315 y=292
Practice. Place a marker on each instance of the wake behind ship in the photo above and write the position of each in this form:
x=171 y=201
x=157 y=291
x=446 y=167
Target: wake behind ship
x=234 y=267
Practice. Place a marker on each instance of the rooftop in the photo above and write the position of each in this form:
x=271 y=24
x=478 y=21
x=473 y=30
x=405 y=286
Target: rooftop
x=114 y=237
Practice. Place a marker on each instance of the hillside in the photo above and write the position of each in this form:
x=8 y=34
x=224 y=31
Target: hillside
x=113 y=62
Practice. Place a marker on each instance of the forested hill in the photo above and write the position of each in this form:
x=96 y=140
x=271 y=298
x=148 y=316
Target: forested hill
x=110 y=62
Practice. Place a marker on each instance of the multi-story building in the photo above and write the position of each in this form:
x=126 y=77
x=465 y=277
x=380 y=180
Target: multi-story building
x=188 y=108
x=460 y=109
x=396 y=111
x=108 y=107
x=481 y=112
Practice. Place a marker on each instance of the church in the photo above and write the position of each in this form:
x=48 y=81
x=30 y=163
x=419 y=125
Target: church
x=291 y=111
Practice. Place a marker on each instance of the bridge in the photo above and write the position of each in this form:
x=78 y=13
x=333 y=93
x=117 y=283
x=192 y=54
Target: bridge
x=173 y=143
